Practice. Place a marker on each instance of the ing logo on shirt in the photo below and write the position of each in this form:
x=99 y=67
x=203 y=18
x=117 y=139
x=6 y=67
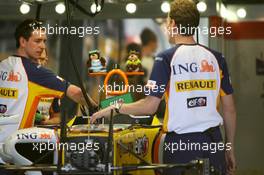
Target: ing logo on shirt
x=8 y=93
x=204 y=66
x=10 y=76
x=191 y=85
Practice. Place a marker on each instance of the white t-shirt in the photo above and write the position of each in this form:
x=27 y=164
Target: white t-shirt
x=193 y=78
x=22 y=84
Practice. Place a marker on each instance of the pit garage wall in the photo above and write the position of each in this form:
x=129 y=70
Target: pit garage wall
x=241 y=49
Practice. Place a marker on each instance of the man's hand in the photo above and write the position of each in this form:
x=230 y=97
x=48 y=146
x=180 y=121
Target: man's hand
x=229 y=117
x=102 y=113
x=146 y=106
x=230 y=162
x=75 y=93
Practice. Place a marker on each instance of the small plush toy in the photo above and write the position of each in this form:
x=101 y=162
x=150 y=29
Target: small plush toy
x=133 y=63
x=95 y=62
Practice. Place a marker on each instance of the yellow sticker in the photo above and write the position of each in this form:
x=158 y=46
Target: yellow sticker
x=8 y=93
x=46 y=100
x=192 y=85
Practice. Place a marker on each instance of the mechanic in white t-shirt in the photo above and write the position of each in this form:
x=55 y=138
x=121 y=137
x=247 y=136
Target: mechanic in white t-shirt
x=23 y=82
x=194 y=80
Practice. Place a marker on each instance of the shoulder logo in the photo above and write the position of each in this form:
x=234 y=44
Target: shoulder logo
x=61 y=79
x=158 y=59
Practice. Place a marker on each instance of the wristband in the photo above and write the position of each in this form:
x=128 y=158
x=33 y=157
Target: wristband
x=117 y=107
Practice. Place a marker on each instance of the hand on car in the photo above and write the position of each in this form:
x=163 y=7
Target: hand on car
x=102 y=113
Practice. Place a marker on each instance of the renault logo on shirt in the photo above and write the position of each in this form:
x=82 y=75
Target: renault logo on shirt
x=192 y=85
x=204 y=66
x=10 y=76
x=8 y=93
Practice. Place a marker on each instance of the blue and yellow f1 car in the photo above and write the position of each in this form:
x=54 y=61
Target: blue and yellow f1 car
x=134 y=148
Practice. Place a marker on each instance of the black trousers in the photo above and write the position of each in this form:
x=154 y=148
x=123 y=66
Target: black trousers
x=182 y=148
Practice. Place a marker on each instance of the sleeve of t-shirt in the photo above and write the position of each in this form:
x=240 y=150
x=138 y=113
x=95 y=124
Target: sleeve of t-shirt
x=226 y=86
x=159 y=76
x=44 y=77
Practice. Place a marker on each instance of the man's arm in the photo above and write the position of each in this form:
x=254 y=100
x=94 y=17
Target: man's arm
x=229 y=116
x=54 y=120
x=75 y=93
x=146 y=106
x=159 y=79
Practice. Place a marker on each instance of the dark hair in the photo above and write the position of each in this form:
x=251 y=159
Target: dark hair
x=185 y=14
x=133 y=47
x=25 y=29
x=147 y=36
